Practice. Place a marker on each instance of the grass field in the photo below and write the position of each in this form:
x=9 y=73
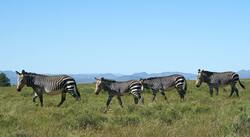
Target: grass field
x=198 y=116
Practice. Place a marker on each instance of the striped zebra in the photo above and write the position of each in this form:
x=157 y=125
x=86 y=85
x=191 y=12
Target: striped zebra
x=217 y=79
x=118 y=89
x=51 y=85
x=165 y=83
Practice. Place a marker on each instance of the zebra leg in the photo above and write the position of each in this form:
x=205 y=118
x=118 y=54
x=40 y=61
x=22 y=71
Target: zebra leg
x=154 y=95
x=41 y=99
x=136 y=100
x=62 y=99
x=211 y=91
x=34 y=97
x=232 y=91
x=236 y=90
x=217 y=91
x=140 y=98
x=120 y=101
x=108 y=103
x=181 y=93
x=163 y=94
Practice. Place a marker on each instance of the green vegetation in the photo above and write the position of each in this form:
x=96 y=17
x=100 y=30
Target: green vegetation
x=198 y=116
x=4 y=81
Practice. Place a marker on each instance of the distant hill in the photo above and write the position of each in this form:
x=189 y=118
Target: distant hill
x=244 y=73
x=89 y=78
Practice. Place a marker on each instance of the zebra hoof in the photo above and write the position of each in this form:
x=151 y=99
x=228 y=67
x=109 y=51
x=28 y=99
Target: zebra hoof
x=105 y=111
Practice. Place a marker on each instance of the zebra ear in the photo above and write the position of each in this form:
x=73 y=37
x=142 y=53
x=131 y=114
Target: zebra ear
x=96 y=78
x=18 y=73
x=23 y=71
x=141 y=80
x=102 y=78
x=199 y=70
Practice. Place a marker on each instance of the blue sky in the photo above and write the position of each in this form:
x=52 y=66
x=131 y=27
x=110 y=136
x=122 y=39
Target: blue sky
x=91 y=36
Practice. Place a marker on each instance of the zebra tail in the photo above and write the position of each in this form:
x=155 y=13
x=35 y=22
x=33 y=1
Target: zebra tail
x=77 y=92
x=242 y=85
x=185 y=88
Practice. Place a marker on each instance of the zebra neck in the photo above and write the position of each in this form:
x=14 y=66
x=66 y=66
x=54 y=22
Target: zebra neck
x=107 y=86
x=207 y=80
x=208 y=76
x=30 y=81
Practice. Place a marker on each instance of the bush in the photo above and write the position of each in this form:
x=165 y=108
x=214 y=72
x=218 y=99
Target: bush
x=241 y=124
x=146 y=112
x=91 y=121
x=169 y=116
x=132 y=108
x=126 y=120
x=8 y=121
x=200 y=109
x=4 y=81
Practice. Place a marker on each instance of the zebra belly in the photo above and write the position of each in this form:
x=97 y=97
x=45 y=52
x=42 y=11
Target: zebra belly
x=53 y=92
x=122 y=93
x=221 y=85
x=170 y=88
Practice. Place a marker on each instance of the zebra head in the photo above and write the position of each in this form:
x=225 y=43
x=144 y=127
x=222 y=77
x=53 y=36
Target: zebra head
x=21 y=80
x=200 y=78
x=98 y=85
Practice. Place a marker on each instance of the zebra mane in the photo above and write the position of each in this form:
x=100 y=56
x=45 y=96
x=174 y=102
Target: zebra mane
x=33 y=74
x=159 y=77
x=151 y=78
x=108 y=80
x=208 y=72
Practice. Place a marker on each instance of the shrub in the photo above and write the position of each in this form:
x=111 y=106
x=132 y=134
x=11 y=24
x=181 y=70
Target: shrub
x=169 y=116
x=241 y=125
x=200 y=109
x=90 y=120
x=126 y=120
x=4 y=81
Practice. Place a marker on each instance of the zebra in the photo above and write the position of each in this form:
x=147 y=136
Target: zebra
x=217 y=79
x=165 y=83
x=51 y=85
x=118 y=89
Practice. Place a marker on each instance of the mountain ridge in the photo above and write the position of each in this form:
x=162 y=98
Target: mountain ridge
x=89 y=78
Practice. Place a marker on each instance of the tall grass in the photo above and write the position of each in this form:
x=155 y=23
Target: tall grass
x=198 y=116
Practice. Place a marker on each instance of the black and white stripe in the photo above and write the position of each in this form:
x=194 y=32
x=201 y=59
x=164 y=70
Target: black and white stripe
x=235 y=77
x=165 y=83
x=217 y=79
x=52 y=85
x=118 y=89
x=180 y=82
x=135 y=88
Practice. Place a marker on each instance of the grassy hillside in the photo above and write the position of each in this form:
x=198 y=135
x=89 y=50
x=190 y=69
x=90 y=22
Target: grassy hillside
x=199 y=116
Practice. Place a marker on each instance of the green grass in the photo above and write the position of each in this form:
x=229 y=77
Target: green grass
x=198 y=116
